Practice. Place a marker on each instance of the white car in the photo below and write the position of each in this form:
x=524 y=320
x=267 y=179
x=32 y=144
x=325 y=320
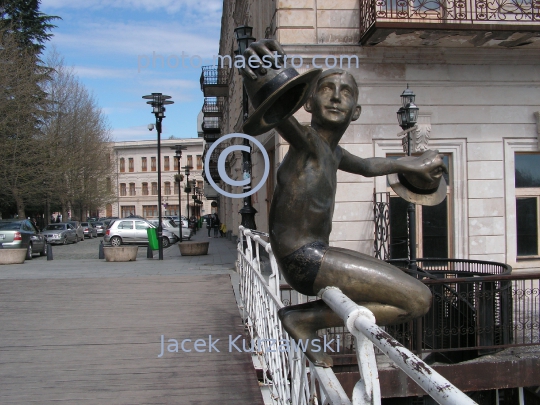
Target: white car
x=171 y=226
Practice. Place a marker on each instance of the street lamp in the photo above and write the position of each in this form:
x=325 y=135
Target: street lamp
x=178 y=150
x=407 y=116
x=188 y=187
x=157 y=101
x=244 y=39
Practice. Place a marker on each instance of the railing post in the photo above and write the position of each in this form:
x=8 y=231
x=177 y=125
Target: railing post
x=361 y=323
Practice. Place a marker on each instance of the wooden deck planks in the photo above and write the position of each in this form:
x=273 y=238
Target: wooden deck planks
x=97 y=341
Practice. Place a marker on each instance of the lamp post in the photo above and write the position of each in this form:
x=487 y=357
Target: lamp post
x=407 y=116
x=157 y=101
x=244 y=39
x=178 y=150
x=188 y=187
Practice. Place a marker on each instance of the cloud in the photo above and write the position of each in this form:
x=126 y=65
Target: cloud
x=137 y=38
x=138 y=133
x=170 y=6
x=102 y=73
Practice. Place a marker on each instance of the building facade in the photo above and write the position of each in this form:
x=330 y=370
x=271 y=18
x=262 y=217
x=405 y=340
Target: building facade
x=477 y=83
x=137 y=185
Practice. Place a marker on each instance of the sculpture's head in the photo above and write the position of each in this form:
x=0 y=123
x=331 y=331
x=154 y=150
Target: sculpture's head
x=334 y=102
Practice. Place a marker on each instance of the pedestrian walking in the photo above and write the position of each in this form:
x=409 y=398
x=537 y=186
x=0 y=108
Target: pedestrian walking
x=209 y=224
x=215 y=225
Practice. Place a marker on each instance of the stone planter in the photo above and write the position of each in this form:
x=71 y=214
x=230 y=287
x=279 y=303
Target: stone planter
x=120 y=253
x=193 y=248
x=12 y=256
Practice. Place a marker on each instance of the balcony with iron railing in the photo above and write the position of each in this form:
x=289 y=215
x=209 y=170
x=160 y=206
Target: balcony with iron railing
x=214 y=81
x=211 y=127
x=212 y=169
x=213 y=107
x=381 y=18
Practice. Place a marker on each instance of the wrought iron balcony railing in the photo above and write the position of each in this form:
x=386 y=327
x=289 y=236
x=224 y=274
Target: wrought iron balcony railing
x=448 y=12
x=213 y=107
x=214 y=81
x=211 y=124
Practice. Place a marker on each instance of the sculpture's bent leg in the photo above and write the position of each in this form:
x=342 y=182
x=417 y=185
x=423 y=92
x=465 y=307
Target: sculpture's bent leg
x=392 y=295
x=302 y=322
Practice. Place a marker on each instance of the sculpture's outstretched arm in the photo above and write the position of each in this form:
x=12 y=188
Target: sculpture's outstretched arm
x=428 y=166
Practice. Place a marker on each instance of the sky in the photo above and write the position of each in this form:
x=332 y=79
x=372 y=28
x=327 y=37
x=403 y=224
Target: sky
x=122 y=50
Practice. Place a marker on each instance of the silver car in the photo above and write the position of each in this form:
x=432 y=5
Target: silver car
x=60 y=233
x=78 y=228
x=22 y=234
x=89 y=230
x=170 y=225
x=133 y=230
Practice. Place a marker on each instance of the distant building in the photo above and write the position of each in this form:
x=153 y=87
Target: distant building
x=136 y=182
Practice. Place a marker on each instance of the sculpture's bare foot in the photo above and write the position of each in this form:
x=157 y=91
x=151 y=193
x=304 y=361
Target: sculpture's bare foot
x=302 y=323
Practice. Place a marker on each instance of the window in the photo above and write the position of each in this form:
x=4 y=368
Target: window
x=527 y=178
x=175 y=163
x=153 y=164
x=199 y=162
x=154 y=188
x=123 y=189
x=175 y=187
x=125 y=224
x=145 y=189
x=122 y=165
x=143 y=164
x=131 y=189
x=166 y=165
x=149 y=211
x=433 y=230
x=190 y=160
x=167 y=188
x=200 y=185
x=141 y=225
x=131 y=165
x=172 y=209
x=127 y=210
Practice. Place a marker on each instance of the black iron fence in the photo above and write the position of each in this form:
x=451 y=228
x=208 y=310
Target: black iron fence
x=478 y=308
x=448 y=12
x=212 y=75
x=213 y=107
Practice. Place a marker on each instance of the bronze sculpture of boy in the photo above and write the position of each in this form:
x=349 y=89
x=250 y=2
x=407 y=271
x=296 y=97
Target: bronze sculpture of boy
x=302 y=207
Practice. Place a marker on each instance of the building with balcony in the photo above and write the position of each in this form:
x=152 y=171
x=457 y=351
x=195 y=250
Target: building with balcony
x=475 y=69
x=136 y=179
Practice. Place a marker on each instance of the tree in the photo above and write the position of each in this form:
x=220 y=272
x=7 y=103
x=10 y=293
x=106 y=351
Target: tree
x=77 y=140
x=28 y=26
x=21 y=114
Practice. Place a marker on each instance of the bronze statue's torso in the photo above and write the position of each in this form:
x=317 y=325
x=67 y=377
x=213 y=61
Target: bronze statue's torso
x=303 y=203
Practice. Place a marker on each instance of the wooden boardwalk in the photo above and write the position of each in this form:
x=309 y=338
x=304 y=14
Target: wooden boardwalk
x=97 y=341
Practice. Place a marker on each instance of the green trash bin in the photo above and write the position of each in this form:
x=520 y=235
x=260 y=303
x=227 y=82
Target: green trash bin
x=152 y=238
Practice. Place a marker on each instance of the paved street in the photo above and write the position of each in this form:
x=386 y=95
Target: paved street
x=81 y=260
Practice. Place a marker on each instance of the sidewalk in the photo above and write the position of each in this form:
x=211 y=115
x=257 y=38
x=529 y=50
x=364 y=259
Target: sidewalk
x=221 y=259
x=77 y=330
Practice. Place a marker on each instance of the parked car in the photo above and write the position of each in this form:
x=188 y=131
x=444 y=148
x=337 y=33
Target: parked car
x=61 y=233
x=89 y=230
x=171 y=226
x=22 y=234
x=100 y=227
x=107 y=220
x=78 y=228
x=128 y=230
x=175 y=219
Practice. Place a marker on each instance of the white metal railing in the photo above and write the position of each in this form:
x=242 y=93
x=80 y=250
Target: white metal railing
x=285 y=372
x=284 y=366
